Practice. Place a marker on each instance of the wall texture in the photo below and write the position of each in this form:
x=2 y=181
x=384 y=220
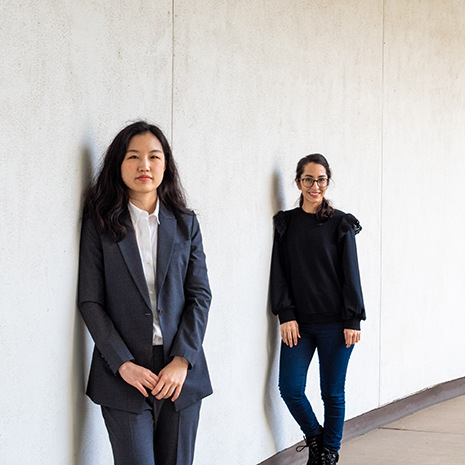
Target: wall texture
x=243 y=89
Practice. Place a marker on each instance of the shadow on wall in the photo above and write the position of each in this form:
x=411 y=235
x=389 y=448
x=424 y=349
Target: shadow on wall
x=81 y=341
x=272 y=400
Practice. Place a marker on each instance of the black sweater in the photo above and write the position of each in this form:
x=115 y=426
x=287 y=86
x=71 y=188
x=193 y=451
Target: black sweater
x=314 y=269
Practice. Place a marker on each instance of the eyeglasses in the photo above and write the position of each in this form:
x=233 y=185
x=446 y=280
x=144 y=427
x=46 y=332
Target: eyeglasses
x=308 y=182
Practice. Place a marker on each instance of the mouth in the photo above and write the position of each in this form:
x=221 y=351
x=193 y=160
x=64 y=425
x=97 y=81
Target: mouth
x=144 y=178
x=313 y=194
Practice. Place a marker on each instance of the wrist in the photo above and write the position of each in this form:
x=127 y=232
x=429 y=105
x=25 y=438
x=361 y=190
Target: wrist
x=181 y=361
x=124 y=366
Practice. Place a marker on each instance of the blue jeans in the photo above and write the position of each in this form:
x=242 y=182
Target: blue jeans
x=334 y=357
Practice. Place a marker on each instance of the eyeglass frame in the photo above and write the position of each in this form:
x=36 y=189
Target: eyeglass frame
x=313 y=181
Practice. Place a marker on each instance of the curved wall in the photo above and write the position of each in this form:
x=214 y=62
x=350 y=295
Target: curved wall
x=244 y=89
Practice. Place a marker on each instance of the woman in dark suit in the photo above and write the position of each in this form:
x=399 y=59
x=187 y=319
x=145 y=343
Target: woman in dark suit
x=144 y=296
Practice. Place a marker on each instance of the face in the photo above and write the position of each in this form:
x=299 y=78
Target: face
x=143 y=166
x=312 y=196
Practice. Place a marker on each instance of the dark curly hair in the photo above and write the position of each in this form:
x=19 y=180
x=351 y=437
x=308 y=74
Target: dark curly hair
x=107 y=198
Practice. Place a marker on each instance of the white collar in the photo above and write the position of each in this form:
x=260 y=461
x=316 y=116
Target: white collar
x=136 y=212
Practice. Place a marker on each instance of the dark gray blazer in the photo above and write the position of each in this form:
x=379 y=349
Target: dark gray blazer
x=114 y=301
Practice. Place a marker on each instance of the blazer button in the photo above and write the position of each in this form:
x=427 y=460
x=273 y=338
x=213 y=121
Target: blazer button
x=160 y=311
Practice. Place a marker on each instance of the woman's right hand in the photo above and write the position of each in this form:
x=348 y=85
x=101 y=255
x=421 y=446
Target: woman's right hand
x=290 y=333
x=138 y=377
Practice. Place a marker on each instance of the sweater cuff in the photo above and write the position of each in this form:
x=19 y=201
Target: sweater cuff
x=352 y=324
x=287 y=315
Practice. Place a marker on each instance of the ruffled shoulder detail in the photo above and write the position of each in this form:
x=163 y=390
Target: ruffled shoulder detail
x=348 y=221
x=281 y=221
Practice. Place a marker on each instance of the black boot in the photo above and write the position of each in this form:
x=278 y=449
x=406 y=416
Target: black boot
x=329 y=457
x=314 y=445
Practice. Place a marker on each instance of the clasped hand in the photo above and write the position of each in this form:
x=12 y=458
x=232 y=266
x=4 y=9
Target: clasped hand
x=168 y=383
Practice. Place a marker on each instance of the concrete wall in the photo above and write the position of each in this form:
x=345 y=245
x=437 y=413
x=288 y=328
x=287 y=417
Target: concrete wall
x=244 y=89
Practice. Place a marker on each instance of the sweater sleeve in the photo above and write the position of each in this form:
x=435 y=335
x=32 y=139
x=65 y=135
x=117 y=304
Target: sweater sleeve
x=282 y=303
x=354 y=308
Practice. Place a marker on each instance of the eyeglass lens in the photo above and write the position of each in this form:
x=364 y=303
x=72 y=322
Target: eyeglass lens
x=308 y=182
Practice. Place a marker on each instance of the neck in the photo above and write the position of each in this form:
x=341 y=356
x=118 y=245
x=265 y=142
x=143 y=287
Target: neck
x=310 y=207
x=146 y=202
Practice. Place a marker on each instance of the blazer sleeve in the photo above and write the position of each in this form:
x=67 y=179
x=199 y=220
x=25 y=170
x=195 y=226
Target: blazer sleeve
x=189 y=337
x=282 y=303
x=91 y=299
x=354 y=307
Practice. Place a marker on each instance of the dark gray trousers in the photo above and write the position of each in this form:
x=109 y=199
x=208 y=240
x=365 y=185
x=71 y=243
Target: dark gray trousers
x=157 y=436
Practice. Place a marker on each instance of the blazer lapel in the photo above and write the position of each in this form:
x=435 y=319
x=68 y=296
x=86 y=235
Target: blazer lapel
x=166 y=233
x=131 y=255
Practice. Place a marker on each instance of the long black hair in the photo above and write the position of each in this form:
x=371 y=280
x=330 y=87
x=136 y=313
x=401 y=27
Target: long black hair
x=324 y=210
x=107 y=198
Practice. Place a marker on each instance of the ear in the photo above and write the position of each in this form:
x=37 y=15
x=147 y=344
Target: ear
x=297 y=181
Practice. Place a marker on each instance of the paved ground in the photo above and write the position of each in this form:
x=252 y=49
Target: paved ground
x=434 y=436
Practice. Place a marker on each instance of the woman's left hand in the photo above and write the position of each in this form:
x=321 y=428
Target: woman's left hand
x=171 y=379
x=351 y=336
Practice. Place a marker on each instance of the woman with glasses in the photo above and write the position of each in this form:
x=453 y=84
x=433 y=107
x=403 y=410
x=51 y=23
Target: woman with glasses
x=316 y=293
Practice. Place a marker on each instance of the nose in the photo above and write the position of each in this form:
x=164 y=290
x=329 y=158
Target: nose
x=144 y=164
